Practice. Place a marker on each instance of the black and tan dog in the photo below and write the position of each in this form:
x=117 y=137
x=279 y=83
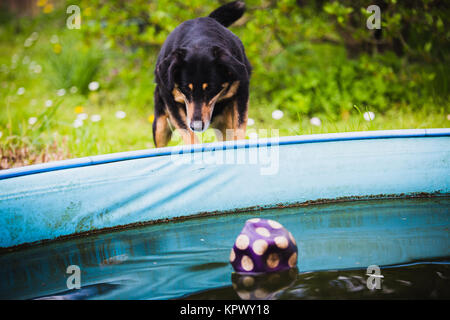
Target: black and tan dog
x=202 y=76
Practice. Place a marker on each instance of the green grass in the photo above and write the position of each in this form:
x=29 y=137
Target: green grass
x=55 y=125
x=126 y=84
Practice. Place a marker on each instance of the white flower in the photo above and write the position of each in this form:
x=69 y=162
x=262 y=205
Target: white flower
x=77 y=123
x=1 y=134
x=315 y=121
x=277 y=114
x=34 y=36
x=253 y=135
x=369 y=116
x=28 y=43
x=37 y=68
x=61 y=92
x=120 y=114
x=94 y=85
x=26 y=60
x=82 y=116
x=250 y=122
x=48 y=103
x=21 y=91
x=73 y=89
x=96 y=118
x=32 y=66
x=32 y=120
x=54 y=39
x=448 y=117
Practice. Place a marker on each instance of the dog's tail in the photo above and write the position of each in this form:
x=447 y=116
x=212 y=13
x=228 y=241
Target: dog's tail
x=228 y=13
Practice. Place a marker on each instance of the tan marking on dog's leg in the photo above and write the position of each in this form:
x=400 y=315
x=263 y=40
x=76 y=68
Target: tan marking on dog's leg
x=187 y=135
x=239 y=129
x=228 y=123
x=162 y=132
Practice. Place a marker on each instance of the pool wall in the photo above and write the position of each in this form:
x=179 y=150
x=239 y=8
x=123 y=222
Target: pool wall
x=47 y=201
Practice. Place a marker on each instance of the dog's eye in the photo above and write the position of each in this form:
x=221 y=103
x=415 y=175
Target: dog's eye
x=185 y=89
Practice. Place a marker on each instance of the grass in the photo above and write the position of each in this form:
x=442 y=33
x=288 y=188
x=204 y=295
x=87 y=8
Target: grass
x=54 y=137
x=38 y=118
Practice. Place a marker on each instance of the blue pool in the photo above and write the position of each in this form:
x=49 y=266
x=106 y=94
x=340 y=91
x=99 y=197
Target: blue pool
x=160 y=223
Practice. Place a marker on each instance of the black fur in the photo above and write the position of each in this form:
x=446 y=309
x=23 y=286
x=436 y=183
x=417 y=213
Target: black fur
x=202 y=51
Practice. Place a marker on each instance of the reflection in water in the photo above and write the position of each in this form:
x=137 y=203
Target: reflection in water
x=177 y=259
x=83 y=293
x=263 y=286
x=115 y=260
x=414 y=281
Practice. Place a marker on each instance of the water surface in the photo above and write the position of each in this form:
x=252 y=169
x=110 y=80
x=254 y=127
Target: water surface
x=189 y=259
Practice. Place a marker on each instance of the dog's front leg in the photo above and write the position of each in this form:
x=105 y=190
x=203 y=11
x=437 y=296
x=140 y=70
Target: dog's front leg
x=239 y=120
x=229 y=125
x=161 y=129
x=177 y=117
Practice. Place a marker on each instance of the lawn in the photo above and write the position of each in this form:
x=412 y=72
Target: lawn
x=64 y=94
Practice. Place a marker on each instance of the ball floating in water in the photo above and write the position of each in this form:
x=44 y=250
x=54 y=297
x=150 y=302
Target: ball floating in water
x=263 y=246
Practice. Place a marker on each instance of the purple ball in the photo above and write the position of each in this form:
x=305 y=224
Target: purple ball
x=263 y=246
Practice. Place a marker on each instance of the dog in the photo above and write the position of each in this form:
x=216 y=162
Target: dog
x=202 y=77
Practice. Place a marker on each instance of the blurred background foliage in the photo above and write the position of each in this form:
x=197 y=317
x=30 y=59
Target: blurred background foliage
x=308 y=56
x=310 y=59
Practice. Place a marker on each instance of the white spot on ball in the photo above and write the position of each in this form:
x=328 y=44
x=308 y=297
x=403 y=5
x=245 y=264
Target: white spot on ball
x=292 y=260
x=263 y=232
x=260 y=246
x=273 y=260
x=274 y=224
x=247 y=263
x=242 y=242
x=281 y=242
x=232 y=255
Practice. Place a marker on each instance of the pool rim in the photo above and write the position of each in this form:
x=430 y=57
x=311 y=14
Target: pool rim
x=227 y=145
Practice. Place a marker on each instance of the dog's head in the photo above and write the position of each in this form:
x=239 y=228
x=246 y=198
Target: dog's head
x=199 y=78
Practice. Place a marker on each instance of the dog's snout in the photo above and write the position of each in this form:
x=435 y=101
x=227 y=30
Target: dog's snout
x=197 y=125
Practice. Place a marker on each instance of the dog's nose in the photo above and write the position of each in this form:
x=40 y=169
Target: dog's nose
x=197 y=125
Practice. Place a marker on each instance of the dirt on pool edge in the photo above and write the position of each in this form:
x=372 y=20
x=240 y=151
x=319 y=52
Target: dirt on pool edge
x=221 y=213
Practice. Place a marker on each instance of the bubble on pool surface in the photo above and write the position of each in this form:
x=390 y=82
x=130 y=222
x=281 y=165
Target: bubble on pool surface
x=263 y=246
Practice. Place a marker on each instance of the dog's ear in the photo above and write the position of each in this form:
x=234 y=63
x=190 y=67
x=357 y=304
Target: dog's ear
x=166 y=69
x=232 y=66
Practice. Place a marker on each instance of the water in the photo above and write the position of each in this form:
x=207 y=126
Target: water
x=408 y=239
